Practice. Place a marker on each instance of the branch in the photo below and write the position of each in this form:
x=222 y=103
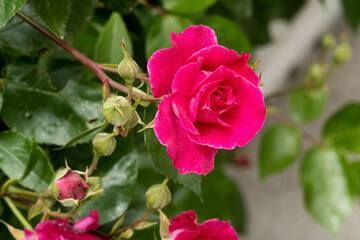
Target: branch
x=83 y=59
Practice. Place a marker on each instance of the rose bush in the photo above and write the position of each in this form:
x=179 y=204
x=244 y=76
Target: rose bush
x=211 y=99
x=185 y=227
x=60 y=229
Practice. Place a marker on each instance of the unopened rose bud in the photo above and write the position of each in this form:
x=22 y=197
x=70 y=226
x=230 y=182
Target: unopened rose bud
x=104 y=144
x=117 y=110
x=158 y=196
x=128 y=68
x=342 y=53
x=70 y=186
x=328 y=41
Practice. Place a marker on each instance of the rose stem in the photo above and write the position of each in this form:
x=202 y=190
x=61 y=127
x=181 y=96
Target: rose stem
x=81 y=58
x=93 y=165
x=152 y=6
x=307 y=136
x=113 y=70
x=146 y=215
x=18 y=214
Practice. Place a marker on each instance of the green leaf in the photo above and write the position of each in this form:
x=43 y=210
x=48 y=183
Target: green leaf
x=216 y=188
x=326 y=184
x=228 y=33
x=161 y=160
x=159 y=34
x=108 y=48
x=18 y=38
x=187 y=6
x=280 y=147
x=80 y=14
x=343 y=128
x=54 y=13
x=15 y=153
x=119 y=184
x=8 y=8
x=121 y=6
x=51 y=117
x=351 y=9
x=306 y=105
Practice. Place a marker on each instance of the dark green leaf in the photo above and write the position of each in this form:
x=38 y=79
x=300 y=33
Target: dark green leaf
x=51 y=117
x=108 y=48
x=187 y=6
x=54 y=13
x=119 y=184
x=159 y=34
x=80 y=15
x=326 y=184
x=351 y=8
x=8 y=8
x=279 y=148
x=228 y=33
x=343 y=128
x=306 y=105
x=121 y=6
x=239 y=9
x=161 y=160
x=216 y=188
x=15 y=153
x=19 y=38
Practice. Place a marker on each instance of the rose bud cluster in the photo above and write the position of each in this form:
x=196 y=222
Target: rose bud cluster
x=70 y=187
x=104 y=144
x=128 y=68
x=185 y=227
x=61 y=229
x=211 y=99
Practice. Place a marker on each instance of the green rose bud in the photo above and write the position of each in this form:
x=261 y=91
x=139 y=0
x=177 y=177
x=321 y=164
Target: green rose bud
x=117 y=110
x=328 y=41
x=128 y=68
x=158 y=196
x=342 y=53
x=104 y=144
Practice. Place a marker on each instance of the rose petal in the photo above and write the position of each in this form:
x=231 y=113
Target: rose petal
x=185 y=221
x=186 y=155
x=246 y=118
x=164 y=63
x=88 y=223
x=224 y=228
x=216 y=56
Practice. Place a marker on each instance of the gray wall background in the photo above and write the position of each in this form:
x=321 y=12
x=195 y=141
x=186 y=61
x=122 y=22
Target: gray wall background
x=275 y=206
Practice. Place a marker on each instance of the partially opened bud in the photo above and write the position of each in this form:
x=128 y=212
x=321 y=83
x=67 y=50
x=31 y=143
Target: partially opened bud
x=128 y=68
x=70 y=187
x=117 y=110
x=104 y=144
x=158 y=196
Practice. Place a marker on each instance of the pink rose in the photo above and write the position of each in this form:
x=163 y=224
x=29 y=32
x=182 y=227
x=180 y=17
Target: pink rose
x=185 y=227
x=212 y=99
x=72 y=185
x=60 y=229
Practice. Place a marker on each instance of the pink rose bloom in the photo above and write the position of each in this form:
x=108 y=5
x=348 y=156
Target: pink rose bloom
x=211 y=99
x=72 y=185
x=60 y=229
x=185 y=227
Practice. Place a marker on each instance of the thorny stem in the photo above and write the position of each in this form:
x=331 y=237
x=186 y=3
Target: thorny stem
x=307 y=136
x=144 y=217
x=83 y=59
x=18 y=214
x=152 y=6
